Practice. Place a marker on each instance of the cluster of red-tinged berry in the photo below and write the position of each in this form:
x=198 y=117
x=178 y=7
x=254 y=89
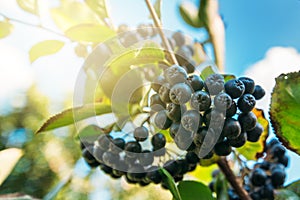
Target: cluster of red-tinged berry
x=266 y=175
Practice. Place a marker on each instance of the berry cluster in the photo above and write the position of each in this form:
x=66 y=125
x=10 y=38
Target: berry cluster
x=269 y=174
x=118 y=157
x=192 y=109
x=265 y=176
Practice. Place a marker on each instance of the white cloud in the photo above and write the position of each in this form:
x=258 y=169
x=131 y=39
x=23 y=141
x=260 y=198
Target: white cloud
x=15 y=72
x=278 y=60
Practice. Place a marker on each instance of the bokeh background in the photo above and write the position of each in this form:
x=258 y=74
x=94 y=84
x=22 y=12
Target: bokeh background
x=262 y=41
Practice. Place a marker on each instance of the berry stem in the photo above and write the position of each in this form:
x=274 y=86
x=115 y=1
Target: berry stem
x=34 y=25
x=158 y=24
x=225 y=168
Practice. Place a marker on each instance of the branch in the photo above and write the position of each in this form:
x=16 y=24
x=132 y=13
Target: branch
x=225 y=168
x=35 y=26
x=216 y=30
x=158 y=24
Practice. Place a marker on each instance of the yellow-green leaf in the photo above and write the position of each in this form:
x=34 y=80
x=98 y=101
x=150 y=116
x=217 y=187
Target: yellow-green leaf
x=285 y=110
x=29 y=6
x=5 y=29
x=90 y=33
x=254 y=150
x=72 y=13
x=148 y=53
x=8 y=160
x=45 y=48
x=157 y=6
x=70 y=116
x=99 y=7
x=204 y=174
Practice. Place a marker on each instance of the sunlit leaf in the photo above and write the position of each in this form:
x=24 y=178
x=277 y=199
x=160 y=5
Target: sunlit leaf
x=254 y=150
x=72 y=13
x=204 y=174
x=5 y=29
x=191 y=190
x=90 y=33
x=99 y=7
x=295 y=187
x=148 y=53
x=45 y=48
x=189 y=13
x=89 y=133
x=170 y=183
x=209 y=162
x=8 y=160
x=208 y=71
x=284 y=194
x=29 y=6
x=285 y=110
x=67 y=117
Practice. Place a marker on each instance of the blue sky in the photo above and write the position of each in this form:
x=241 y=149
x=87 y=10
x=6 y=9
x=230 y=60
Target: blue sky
x=252 y=27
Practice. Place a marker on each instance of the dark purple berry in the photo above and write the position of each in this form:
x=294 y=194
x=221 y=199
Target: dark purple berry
x=254 y=134
x=222 y=101
x=195 y=82
x=222 y=148
x=249 y=84
x=259 y=92
x=238 y=141
x=214 y=84
x=230 y=112
x=158 y=141
x=235 y=88
x=191 y=120
x=164 y=92
x=201 y=101
x=141 y=133
x=161 y=120
x=246 y=103
x=247 y=121
x=175 y=74
x=232 y=128
x=156 y=103
x=180 y=93
x=258 y=177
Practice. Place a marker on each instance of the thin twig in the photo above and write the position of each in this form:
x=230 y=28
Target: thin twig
x=34 y=25
x=224 y=166
x=158 y=24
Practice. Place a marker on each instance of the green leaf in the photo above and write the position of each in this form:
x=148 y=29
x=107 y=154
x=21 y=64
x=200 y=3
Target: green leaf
x=90 y=133
x=189 y=13
x=285 y=110
x=221 y=187
x=208 y=71
x=45 y=48
x=99 y=7
x=157 y=6
x=5 y=29
x=191 y=190
x=73 y=13
x=170 y=183
x=148 y=53
x=10 y=157
x=54 y=192
x=254 y=150
x=29 y=6
x=90 y=33
x=72 y=115
x=295 y=187
x=286 y=195
x=228 y=77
